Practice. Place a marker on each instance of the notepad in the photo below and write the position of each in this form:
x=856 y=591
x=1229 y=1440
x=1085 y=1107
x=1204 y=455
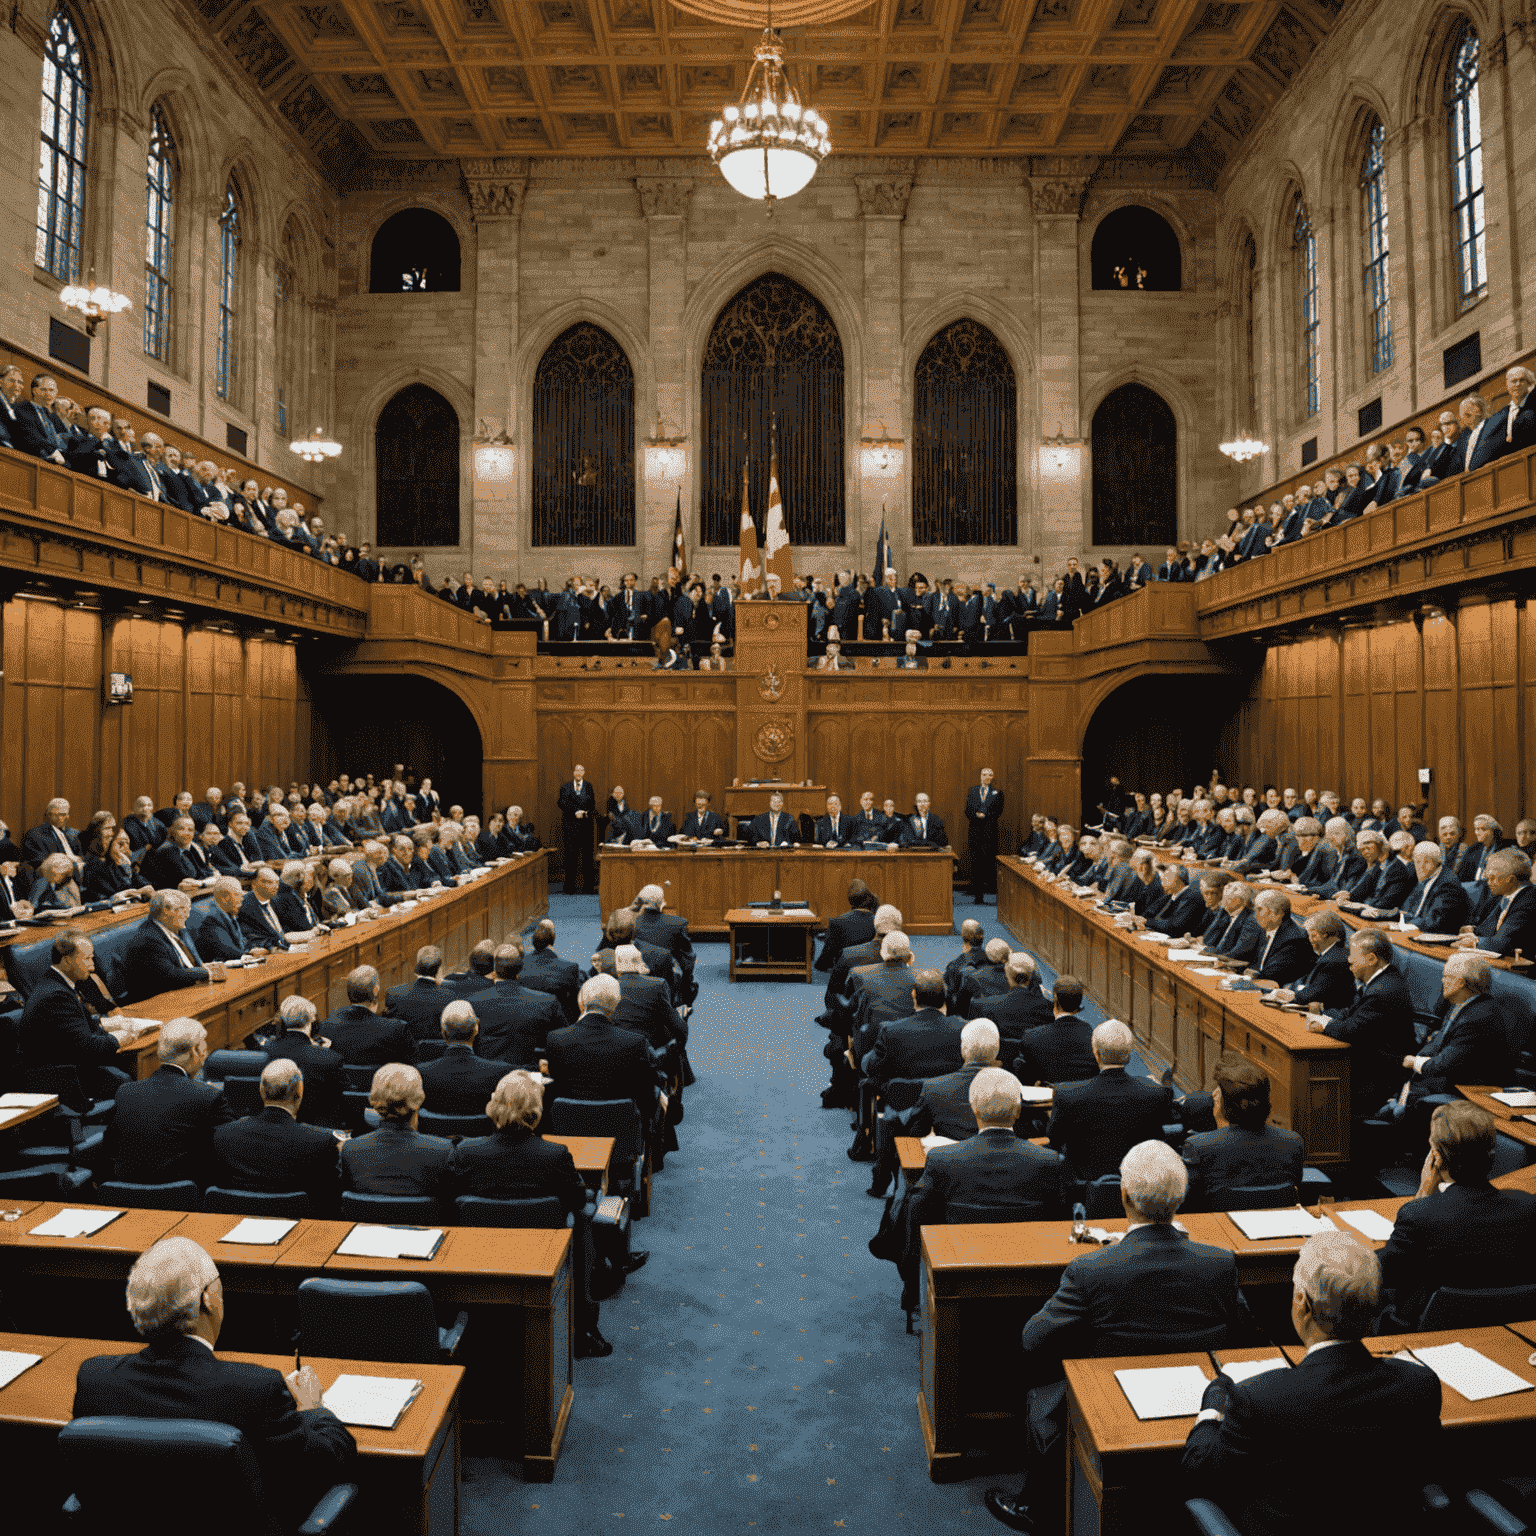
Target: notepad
x=13 y=1363
x=1163 y=1391
x=368 y=1242
x=933 y=1139
x=1209 y=970
x=1513 y=1098
x=1371 y=1224
x=25 y=1100
x=1243 y=1370
x=371 y=1402
x=1033 y=1095
x=1470 y=1373
x=260 y=1229
x=73 y=1223
x=1293 y=1221
x=1179 y=953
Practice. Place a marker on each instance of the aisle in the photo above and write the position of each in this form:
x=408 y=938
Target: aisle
x=761 y=1376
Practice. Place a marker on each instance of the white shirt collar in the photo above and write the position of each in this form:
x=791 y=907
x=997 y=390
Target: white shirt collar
x=201 y=1340
x=1312 y=1349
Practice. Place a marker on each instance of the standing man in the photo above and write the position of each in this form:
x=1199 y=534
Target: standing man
x=983 y=807
x=577 y=805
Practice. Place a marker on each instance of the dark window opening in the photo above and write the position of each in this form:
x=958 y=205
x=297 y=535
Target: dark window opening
x=1134 y=248
x=414 y=251
x=1135 y=469
x=416 y=459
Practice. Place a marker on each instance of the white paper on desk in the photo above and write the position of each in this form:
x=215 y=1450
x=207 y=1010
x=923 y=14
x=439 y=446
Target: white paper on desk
x=369 y=1242
x=1514 y=1098
x=24 y=1100
x=1155 y=938
x=1178 y=952
x=1290 y=1222
x=1242 y=1370
x=13 y=1363
x=73 y=1223
x=370 y=1402
x=933 y=1139
x=265 y=1230
x=1163 y=1391
x=1033 y=1095
x=1210 y=970
x=1470 y=1372
x=1371 y=1224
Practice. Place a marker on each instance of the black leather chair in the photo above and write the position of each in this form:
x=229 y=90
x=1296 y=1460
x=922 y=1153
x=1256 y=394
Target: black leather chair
x=455 y=1127
x=45 y=1181
x=1102 y=1198
x=479 y=1211
x=387 y=1320
x=358 y=1076
x=195 y=1467
x=1209 y=1519
x=250 y=1202
x=222 y=1065
x=59 y=1137
x=410 y=1210
x=1453 y=1307
x=962 y=1215
x=182 y=1195
x=630 y=1170
x=1251 y=1197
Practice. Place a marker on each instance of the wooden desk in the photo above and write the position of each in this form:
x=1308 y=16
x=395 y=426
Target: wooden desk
x=1122 y=1472
x=1184 y=1019
x=1512 y=1122
x=592 y=1156
x=519 y=1282
x=10 y=1119
x=1270 y=1260
x=778 y=945
x=408 y=1476
x=1521 y=1178
x=704 y=886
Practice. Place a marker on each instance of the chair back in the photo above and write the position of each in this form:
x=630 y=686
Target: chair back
x=294 y=1203
x=901 y=1092
x=430 y=1050
x=1453 y=1307
x=1251 y=1197
x=358 y=1076
x=182 y=1195
x=1102 y=1198
x=225 y=1064
x=458 y=1126
x=410 y=1210
x=478 y=1211
x=44 y=1181
x=27 y=964
x=61 y=1079
x=597 y=1117
x=963 y=1214
x=391 y=1320
x=110 y=946
x=193 y=1465
x=243 y=1094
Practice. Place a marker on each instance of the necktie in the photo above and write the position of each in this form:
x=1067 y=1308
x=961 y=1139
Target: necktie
x=1503 y=912
x=773 y=828
x=271 y=917
x=182 y=952
x=922 y=828
x=1509 y=422
x=655 y=822
x=58 y=832
x=1428 y=886
x=1265 y=956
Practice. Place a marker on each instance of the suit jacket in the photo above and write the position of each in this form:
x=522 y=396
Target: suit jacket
x=57 y=1029
x=1396 y=881
x=881 y=993
x=297 y=913
x=395 y=1160
x=1232 y=1157
x=931 y=832
x=1516 y=931
x=420 y=1003
x=646 y=1008
x=944 y=1105
x=925 y=1045
x=363 y=1038
x=273 y=1153
x=1058 y=1052
x=460 y=1082
x=1289 y=953
x=43 y=840
x=855 y=926
x=515 y=1164
x=787 y=831
x=219 y=936
x=1261 y=853
x=982 y=814
x=1376 y=1412
x=35 y=430
x=712 y=826
x=1184 y=913
x=977 y=987
x=828 y=836
x=991 y=1167
x=1330 y=983
x=151 y=964
x=668 y=931
x=544 y=971
x=300 y=1453
x=325 y=1079
x=1096 y=1122
x=1488 y=446
x=259 y=932
x=1018 y=1013
x=574 y=797
x=1378 y=1025
x=1473 y=1048
x=162 y=1128
x=1522 y=435
x=1242 y=938
x=1437 y=905
x=595 y=1059
x=640 y=826
x=515 y=1022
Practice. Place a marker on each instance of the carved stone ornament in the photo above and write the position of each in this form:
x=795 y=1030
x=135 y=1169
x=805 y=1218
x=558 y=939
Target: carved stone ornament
x=495 y=187
x=770 y=685
x=664 y=197
x=1059 y=197
x=774 y=741
x=883 y=196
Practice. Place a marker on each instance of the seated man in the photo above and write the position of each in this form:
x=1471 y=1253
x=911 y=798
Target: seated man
x=834 y=830
x=162 y=1128
x=944 y=1104
x=1020 y=1010
x=1458 y=1230
x=177 y=1305
x=1470 y=1046
x=176 y=862
x=420 y=1002
x=980 y=983
x=271 y=1152
x=515 y=1021
x=1062 y=1050
x=923 y=1045
x=856 y=925
x=1284 y=955
x=1328 y=986
x=159 y=956
x=653 y=825
x=1244 y=1149
x=773 y=826
x=219 y=935
x=703 y=823
x=1378 y=1412
x=1183 y=912
x=668 y=931
x=1377 y=1023
x=1156 y=1292
x=359 y=1034
x=1438 y=903
x=52 y=835
x=260 y=921
x=57 y=1029
x=595 y=1059
x=923 y=829
x=325 y=1078
x=1508 y=918
x=544 y=971
x=396 y=1159
x=460 y=1081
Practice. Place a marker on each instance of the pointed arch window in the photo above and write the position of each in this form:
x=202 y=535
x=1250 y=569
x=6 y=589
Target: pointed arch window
x=1373 y=208
x=227 y=362
x=160 y=177
x=1304 y=245
x=61 y=159
x=1465 y=144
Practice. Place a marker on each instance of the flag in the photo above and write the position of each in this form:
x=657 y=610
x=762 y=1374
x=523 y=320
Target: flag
x=751 y=569
x=778 y=557
x=679 y=544
x=882 y=549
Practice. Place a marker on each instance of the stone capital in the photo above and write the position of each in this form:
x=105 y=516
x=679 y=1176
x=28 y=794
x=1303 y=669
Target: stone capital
x=1058 y=196
x=664 y=197
x=883 y=197
x=496 y=187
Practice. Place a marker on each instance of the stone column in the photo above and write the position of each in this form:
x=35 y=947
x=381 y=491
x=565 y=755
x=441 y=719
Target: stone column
x=496 y=189
x=883 y=203
x=664 y=201
x=1058 y=204
x=1405 y=211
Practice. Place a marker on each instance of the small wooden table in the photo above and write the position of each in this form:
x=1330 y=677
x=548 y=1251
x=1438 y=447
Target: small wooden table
x=781 y=945
x=592 y=1155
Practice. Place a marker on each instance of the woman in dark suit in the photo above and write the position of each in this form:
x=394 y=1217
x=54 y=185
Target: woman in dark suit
x=109 y=871
x=1244 y=1150
x=396 y=1159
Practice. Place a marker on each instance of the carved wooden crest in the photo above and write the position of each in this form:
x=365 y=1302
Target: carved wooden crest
x=774 y=741
x=770 y=685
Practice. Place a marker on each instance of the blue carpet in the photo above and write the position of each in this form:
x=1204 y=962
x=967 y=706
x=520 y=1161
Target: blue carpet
x=761 y=1375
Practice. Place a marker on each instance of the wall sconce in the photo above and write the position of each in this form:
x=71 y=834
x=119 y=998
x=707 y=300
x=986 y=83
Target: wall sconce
x=665 y=457
x=882 y=455
x=1057 y=452
x=493 y=461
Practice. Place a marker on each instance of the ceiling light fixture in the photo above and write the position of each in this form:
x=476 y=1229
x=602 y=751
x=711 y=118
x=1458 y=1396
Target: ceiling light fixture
x=315 y=449
x=93 y=302
x=1241 y=449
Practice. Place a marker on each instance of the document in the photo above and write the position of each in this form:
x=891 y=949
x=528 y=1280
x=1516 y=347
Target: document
x=1512 y=1098
x=368 y=1242
x=1209 y=970
x=1243 y=1370
x=13 y=1363
x=73 y=1223
x=1164 y=1392
x=1180 y=953
x=1040 y=1095
x=933 y=1139
x=371 y=1402
x=1470 y=1373
x=264 y=1230
x=25 y=1100
x=1293 y=1221
x=1371 y=1224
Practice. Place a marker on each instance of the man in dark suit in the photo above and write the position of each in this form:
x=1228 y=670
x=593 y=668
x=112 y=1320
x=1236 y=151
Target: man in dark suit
x=477 y=974
x=1508 y=920
x=1483 y=443
x=943 y=1106
x=359 y=1034
x=177 y=1303
x=924 y=828
x=1328 y=986
x=619 y=817
x=883 y=991
x=1378 y=1024
x=1284 y=953
x=259 y=919
x=515 y=1021
x=1514 y=428
x=276 y=837
x=325 y=1078
x=668 y=931
x=654 y=824
x=1377 y=1411
x=143 y=829
x=1438 y=903
x=1020 y=1010
x=855 y=926
x=978 y=984
x=595 y=1059
x=544 y=971
x=983 y=811
x=629 y=611
x=1470 y=1046
x=57 y=1029
x=1244 y=1149
x=461 y=1081
x=397 y=1159
x=162 y=1128
x=1184 y=911
x=35 y=429
x=1154 y=1293
x=420 y=1002
x=703 y=823
x=1062 y=1050
x=273 y=1152
x=1397 y=879
x=52 y=835
x=1096 y=1122
x=577 y=811
x=645 y=1006
x=883 y=610
x=176 y=862
x=159 y=956
x=834 y=830
x=773 y=826
x=620 y=929
x=922 y=1045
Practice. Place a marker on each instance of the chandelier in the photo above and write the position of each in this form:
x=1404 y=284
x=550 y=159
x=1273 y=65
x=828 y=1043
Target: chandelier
x=768 y=146
x=315 y=449
x=1241 y=449
x=94 y=303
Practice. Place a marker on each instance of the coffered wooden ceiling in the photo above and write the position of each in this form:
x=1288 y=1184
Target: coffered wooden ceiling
x=409 y=78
